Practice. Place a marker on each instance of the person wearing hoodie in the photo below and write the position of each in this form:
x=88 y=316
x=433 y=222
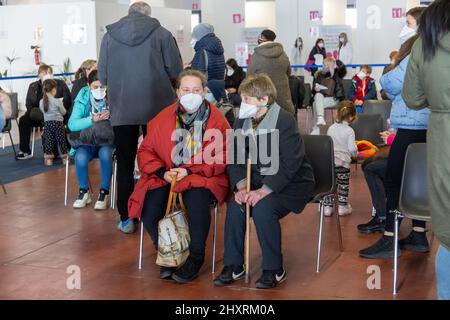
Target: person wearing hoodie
x=269 y=58
x=138 y=61
x=209 y=53
x=427 y=82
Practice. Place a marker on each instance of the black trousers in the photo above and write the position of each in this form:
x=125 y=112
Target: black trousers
x=374 y=172
x=198 y=204
x=266 y=215
x=25 y=127
x=394 y=172
x=126 y=141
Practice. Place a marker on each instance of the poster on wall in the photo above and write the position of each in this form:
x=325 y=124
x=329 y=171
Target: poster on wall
x=74 y=34
x=330 y=35
x=251 y=36
x=241 y=53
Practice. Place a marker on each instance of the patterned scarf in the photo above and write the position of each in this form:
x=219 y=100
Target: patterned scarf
x=97 y=105
x=193 y=140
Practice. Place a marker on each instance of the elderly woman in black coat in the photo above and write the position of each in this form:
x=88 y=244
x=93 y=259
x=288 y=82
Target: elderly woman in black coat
x=282 y=180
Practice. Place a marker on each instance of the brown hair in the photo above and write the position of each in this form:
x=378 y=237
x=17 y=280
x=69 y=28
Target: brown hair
x=48 y=86
x=346 y=110
x=259 y=86
x=192 y=73
x=45 y=68
x=341 y=44
x=416 y=13
x=88 y=64
x=367 y=67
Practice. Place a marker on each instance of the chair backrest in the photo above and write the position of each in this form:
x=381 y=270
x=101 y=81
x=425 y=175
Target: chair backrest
x=320 y=153
x=14 y=105
x=347 y=83
x=414 y=202
x=381 y=107
x=368 y=127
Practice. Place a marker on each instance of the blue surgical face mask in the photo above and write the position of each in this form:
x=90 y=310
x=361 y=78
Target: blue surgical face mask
x=341 y=39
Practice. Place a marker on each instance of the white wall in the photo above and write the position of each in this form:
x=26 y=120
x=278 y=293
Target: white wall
x=260 y=14
x=19 y=22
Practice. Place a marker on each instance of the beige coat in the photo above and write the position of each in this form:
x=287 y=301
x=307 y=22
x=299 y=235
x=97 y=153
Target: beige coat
x=5 y=102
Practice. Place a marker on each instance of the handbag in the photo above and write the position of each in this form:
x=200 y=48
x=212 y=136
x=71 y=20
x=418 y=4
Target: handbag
x=173 y=233
x=310 y=62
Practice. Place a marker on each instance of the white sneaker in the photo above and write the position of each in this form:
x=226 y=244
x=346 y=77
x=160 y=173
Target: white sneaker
x=84 y=198
x=345 y=210
x=321 y=121
x=315 y=131
x=102 y=202
x=328 y=211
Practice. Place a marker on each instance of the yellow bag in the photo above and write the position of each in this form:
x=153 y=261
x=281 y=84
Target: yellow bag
x=173 y=233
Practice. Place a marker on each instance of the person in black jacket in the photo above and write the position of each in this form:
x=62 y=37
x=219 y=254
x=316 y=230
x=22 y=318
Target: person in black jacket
x=81 y=77
x=33 y=117
x=319 y=48
x=233 y=79
x=281 y=185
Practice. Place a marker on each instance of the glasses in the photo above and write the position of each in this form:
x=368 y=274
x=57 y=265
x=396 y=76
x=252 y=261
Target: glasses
x=189 y=90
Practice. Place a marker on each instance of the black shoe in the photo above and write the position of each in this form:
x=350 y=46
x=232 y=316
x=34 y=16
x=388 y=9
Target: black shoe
x=415 y=241
x=382 y=249
x=271 y=278
x=189 y=271
x=229 y=275
x=166 y=272
x=372 y=226
x=24 y=156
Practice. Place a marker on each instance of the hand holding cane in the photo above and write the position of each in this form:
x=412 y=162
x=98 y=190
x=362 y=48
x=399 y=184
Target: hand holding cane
x=247 y=228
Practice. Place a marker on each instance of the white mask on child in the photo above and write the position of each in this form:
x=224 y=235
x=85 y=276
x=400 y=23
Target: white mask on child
x=362 y=75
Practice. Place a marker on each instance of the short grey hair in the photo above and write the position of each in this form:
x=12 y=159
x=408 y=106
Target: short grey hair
x=141 y=7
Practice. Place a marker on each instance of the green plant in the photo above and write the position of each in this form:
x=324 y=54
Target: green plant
x=66 y=69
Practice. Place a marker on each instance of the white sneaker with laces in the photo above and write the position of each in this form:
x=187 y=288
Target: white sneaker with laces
x=328 y=211
x=84 y=198
x=321 y=121
x=102 y=202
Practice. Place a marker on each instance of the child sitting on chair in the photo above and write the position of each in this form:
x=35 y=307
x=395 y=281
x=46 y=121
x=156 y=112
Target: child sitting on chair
x=363 y=88
x=344 y=149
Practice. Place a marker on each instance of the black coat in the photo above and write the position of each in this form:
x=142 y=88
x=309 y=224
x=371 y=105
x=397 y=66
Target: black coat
x=77 y=85
x=293 y=182
x=235 y=80
x=35 y=94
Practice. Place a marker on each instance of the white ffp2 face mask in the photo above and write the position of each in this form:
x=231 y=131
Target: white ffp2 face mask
x=99 y=93
x=247 y=111
x=191 y=102
x=406 y=33
x=362 y=75
x=230 y=72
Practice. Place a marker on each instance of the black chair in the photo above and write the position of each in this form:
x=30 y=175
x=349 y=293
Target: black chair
x=7 y=129
x=381 y=107
x=414 y=202
x=320 y=152
x=368 y=127
x=347 y=84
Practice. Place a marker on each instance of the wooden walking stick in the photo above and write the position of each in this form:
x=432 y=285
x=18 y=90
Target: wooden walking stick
x=247 y=226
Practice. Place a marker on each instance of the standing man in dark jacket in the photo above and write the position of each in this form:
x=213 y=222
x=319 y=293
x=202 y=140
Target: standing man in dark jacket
x=209 y=57
x=34 y=117
x=138 y=62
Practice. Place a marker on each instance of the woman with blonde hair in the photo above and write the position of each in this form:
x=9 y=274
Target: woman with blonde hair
x=81 y=76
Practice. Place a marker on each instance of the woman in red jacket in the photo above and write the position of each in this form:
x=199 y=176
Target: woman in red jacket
x=195 y=155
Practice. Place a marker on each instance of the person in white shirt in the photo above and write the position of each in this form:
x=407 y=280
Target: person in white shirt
x=344 y=149
x=296 y=56
x=345 y=49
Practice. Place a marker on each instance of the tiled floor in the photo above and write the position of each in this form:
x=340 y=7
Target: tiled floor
x=40 y=239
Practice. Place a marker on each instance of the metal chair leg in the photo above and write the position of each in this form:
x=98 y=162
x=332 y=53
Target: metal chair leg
x=12 y=144
x=319 y=243
x=338 y=222
x=394 y=291
x=216 y=208
x=3 y=140
x=141 y=244
x=32 y=141
x=115 y=185
x=66 y=184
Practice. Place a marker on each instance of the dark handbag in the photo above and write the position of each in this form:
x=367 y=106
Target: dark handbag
x=99 y=134
x=36 y=115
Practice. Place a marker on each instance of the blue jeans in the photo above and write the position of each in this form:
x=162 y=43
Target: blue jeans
x=2 y=119
x=84 y=154
x=443 y=273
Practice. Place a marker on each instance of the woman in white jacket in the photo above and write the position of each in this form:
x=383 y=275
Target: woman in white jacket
x=345 y=49
x=296 y=56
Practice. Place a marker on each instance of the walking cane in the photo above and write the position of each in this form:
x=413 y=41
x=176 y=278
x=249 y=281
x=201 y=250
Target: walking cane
x=247 y=228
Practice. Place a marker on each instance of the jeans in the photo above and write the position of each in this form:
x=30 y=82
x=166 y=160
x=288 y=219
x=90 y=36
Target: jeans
x=374 y=172
x=2 y=119
x=84 y=154
x=443 y=273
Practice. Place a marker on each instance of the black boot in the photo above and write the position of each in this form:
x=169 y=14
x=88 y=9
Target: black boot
x=372 y=226
x=189 y=271
x=415 y=241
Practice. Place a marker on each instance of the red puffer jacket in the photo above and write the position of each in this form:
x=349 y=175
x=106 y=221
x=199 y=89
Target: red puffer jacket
x=156 y=150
